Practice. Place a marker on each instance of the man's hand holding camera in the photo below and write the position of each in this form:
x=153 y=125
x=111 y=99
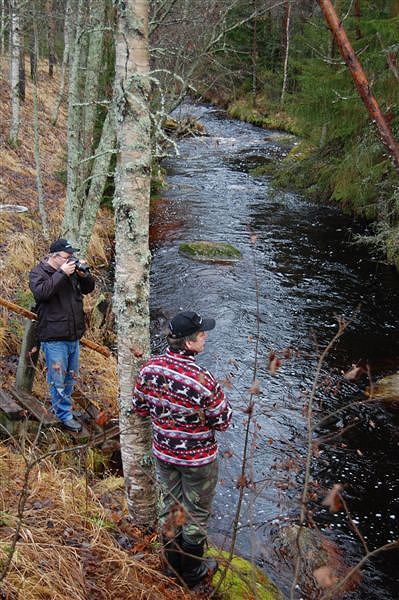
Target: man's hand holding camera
x=75 y=265
x=68 y=267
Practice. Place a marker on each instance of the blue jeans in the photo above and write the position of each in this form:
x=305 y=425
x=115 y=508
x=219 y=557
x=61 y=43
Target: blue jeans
x=62 y=361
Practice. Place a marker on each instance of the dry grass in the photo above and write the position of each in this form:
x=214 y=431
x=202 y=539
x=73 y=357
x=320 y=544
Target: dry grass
x=68 y=548
x=21 y=240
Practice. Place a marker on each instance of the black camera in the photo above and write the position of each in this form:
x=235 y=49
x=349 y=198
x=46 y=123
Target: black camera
x=82 y=267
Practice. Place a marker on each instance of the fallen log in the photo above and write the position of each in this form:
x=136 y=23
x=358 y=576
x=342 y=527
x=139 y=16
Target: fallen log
x=28 y=314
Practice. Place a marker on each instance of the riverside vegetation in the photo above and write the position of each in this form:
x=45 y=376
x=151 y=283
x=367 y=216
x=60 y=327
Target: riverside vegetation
x=339 y=158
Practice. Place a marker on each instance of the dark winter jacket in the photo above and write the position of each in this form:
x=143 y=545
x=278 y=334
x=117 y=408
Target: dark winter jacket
x=59 y=303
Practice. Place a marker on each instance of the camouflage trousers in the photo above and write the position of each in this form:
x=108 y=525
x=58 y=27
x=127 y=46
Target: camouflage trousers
x=187 y=494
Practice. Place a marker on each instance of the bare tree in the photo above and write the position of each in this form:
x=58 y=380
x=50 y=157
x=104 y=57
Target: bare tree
x=88 y=158
x=2 y=26
x=131 y=204
x=287 y=21
x=14 y=69
x=68 y=32
x=39 y=185
x=50 y=36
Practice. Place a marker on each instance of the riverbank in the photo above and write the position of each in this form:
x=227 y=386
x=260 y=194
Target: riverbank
x=357 y=177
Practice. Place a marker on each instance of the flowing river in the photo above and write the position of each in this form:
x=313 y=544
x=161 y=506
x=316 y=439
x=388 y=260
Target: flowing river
x=307 y=271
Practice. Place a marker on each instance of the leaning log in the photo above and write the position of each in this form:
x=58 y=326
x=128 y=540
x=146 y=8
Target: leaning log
x=360 y=79
x=33 y=316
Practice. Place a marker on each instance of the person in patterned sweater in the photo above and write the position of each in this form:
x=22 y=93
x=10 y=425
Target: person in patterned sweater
x=186 y=406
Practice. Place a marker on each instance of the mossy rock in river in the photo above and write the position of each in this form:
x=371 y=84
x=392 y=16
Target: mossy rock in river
x=210 y=251
x=241 y=577
x=387 y=390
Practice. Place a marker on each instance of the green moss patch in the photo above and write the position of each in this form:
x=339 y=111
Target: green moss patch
x=210 y=251
x=243 y=579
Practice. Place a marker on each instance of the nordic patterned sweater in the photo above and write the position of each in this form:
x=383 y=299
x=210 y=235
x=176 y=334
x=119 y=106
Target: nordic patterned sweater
x=186 y=405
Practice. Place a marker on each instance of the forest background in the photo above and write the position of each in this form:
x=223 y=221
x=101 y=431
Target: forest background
x=67 y=120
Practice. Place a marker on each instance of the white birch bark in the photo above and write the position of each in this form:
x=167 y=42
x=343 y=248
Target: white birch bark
x=50 y=36
x=98 y=180
x=14 y=70
x=68 y=32
x=70 y=225
x=93 y=68
x=287 y=51
x=2 y=26
x=131 y=204
x=39 y=186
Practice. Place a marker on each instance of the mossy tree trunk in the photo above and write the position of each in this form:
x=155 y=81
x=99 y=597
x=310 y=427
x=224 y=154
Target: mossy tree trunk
x=88 y=159
x=70 y=226
x=93 y=70
x=131 y=204
x=98 y=179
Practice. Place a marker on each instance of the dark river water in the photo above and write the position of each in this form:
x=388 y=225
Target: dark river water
x=308 y=271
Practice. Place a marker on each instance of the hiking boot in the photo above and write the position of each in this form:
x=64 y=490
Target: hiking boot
x=194 y=568
x=72 y=425
x=172 y=556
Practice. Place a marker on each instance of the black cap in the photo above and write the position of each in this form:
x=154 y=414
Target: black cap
x=187 y=323
x=62 y=245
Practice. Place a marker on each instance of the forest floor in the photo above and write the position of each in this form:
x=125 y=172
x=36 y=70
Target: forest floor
x=67 y=528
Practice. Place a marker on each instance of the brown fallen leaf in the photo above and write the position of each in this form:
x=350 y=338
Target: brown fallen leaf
x=333 y=499
x=274 y=363
x=228 y=454
x=226 y=383
x=102 y=418
x=255 y=388
x=353 y=373
x=242 y=482
x=325 y=577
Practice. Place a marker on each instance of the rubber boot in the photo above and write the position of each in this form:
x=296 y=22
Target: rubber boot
x=172 y=556
x=193 y=567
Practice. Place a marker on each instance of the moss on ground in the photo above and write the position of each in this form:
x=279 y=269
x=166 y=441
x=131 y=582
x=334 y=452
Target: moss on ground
x=241 y=578
x=263 y=114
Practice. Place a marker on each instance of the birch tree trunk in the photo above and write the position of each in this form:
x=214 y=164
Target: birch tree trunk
x=32 y=54
x=360 y=79
x=254 y=54
x=50 y=36
x=93 y=69
x=21 y=74
x=14 y=70
x=68 y=32
x=98 y=179
x=2 y=26
x=73 y=203
x=39 y=185
x=287 y=20
x=131 y=204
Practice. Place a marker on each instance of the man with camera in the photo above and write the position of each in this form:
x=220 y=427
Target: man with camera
x=57 y=284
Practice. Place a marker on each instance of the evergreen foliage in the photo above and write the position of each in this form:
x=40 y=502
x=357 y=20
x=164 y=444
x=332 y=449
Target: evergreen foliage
x=344 y=160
